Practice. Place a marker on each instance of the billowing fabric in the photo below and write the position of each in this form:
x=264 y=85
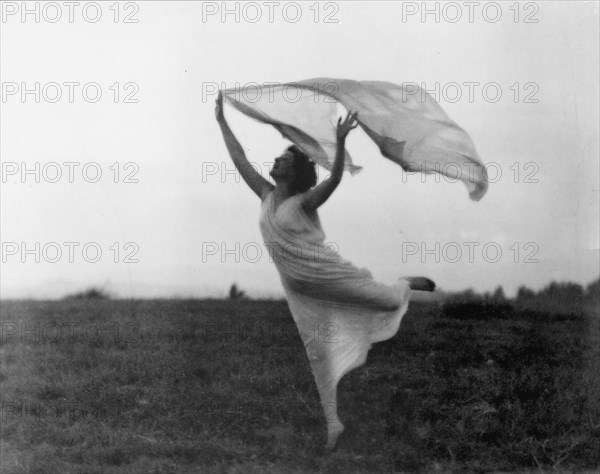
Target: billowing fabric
x=405 y=122
x=339 y=309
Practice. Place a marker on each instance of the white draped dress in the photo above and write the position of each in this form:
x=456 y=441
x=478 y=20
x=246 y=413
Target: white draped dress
x=339 y=309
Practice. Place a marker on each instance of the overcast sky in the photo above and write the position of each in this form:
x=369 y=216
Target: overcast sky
x=521 y=79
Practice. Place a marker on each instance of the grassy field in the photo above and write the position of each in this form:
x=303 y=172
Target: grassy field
x=118 y=386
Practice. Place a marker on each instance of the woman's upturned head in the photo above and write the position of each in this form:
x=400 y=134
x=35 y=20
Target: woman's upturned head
x=295 y=166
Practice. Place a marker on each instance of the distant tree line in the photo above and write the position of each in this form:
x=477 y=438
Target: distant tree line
x=556 y=297
x=559 y=294
x=562 y=292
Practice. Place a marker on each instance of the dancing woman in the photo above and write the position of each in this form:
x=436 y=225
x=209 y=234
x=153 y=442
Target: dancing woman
x=339 y=309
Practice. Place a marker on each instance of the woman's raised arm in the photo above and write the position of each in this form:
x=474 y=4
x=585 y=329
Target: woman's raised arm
x=320 y=193
x=257 y=183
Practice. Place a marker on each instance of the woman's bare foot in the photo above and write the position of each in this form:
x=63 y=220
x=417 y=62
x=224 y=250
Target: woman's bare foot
x=420 y=283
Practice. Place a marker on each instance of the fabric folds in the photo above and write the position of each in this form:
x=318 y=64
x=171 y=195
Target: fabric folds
x=339 y=309
x=407 y=124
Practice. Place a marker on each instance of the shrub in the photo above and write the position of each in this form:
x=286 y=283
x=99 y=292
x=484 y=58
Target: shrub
x=92 y=293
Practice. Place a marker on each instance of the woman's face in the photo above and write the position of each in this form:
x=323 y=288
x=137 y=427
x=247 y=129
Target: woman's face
x=284 y=168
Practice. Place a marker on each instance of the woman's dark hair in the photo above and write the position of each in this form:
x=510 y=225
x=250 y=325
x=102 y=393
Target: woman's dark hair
x=306 y=175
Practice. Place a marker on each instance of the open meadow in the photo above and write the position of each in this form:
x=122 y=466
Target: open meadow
x=224 y=386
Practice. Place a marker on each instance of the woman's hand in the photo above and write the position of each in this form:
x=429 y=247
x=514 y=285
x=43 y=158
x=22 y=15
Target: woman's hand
x=343 y=128
x=219 y=107
x=316 y=196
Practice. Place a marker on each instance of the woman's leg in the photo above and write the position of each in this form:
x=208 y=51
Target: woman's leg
x=335 y=427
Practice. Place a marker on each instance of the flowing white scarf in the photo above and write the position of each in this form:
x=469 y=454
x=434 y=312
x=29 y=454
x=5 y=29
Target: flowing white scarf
x=409 y=127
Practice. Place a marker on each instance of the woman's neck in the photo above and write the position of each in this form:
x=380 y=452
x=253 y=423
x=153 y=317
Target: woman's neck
x=284 y=190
